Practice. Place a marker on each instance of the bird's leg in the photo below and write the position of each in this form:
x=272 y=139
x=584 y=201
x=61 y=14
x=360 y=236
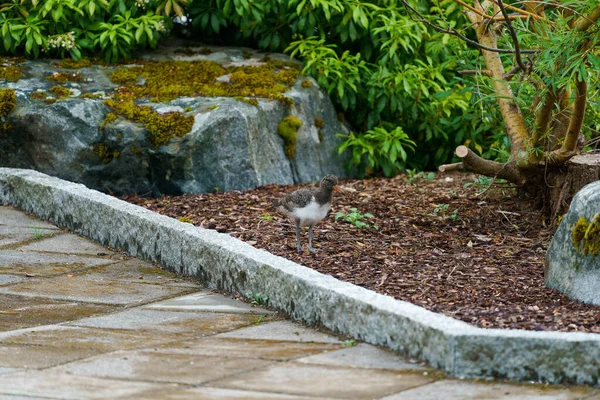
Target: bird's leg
x=298 y=237
x=310 y=236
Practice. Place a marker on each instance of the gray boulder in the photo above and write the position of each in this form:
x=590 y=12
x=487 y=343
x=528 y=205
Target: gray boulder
x=573 y=259
x=233 y=145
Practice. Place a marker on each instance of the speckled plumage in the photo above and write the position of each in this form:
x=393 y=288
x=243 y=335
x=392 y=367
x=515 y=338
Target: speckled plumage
x=306 y=207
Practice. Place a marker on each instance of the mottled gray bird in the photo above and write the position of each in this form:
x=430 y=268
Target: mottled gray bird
x=306 y=207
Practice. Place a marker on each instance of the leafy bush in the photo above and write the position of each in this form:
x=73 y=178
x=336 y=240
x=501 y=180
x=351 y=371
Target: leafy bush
x=74 y=28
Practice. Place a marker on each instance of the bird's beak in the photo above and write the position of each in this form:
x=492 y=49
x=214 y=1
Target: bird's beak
x=337 y=189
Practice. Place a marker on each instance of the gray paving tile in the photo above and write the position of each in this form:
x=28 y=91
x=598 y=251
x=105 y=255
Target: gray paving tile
x=362 y=356
x=325 y=381
x=282 y=330
x=83 y=289
x=40 y=356
x=11 y=236
x=208 y=301
x=210 y=393
x=100 y=340
x=467 y=390
x=161 y=367
x=67 y=243
x=18 y=312
x=54 y=384
x=12 y=217
x=44 y=264
x=4 y=370
x=196 y=324
x=135 y=270
x=248 y=348
x=7 y=279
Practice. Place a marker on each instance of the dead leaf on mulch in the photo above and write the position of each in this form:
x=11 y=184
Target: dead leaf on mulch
x=480 y=259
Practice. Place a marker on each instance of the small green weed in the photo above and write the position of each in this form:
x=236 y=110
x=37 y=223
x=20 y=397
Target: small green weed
x=266 y=217
x=350 y=343
x=37 y=233
x=355 y=217
x=442 y=211
x=413 y=175
x=482 y=182
x=258 y=299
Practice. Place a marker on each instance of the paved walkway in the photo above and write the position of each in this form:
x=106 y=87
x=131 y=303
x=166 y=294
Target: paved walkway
x=79 y=321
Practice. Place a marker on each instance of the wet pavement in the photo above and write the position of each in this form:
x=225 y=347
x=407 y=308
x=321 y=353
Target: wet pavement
x=80 y=321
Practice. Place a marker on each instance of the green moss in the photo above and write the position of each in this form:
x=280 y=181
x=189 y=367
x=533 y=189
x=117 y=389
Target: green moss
x=188 y=109
x=205 y=51
x=10 y=73
x=586 y=236
x=306 y=83
x=288 y=130
x=91 y=96
x=321 y=137
x=60 y=92
x=69 y=63
x=39 y=95
x=125 y=76
x=162 y=127
x=136 y=150
x=167 y=80
x=253 y=102
x=8 y=102
x=319 y=123
x=105 y=153
x=64 y=77
x=187 y=220
x=110 y=117
x=246 y=54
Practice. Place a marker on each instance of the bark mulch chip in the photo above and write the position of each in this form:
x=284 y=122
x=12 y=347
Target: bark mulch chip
x=477 y=257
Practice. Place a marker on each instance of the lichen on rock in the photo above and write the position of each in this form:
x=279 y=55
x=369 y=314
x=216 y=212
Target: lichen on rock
x=288 y=130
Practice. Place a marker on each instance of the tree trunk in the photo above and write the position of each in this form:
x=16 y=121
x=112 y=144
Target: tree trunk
x=556 y=186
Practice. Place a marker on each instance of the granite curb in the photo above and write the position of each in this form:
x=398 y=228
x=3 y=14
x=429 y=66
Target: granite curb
x=226 y=263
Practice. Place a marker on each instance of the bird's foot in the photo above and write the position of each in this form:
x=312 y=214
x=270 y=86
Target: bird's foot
x=300 y=249
x=312 y=249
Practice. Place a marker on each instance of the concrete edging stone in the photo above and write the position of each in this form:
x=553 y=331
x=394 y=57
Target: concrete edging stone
x=229 y=264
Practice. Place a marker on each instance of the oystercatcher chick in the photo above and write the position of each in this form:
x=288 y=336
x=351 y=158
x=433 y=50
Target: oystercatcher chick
x=306 y=207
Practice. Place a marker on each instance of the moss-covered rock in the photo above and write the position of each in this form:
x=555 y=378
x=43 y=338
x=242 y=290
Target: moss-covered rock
x=69 y=63
x=8 y=102
x=586 y=236
x=10 y=73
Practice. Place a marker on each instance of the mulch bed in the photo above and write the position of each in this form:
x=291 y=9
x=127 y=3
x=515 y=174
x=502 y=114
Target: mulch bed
x=483 y=264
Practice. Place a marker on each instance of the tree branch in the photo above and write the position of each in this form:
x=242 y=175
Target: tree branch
x=473 y=162
x=584 y=22
x=513 y=35
x=451 y=167
x=475 y=72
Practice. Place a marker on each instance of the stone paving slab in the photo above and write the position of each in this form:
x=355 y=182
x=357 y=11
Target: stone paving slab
x=362 y=356
x=325 y=381
x=209 y=393
x=281 y=330
x=465 y=390
x=135 y=270
x=85 y=289
x=44 y=264
x=11 y=217
x=175 y=368
x=40 y=356
x=100 y=340
x=18 y=312
x=68 y=243
x=51 y=383
x=198 y=324
x=208 y=301
x=7 y=279
x=11 y=237
x=248 y=348
x=4 y=370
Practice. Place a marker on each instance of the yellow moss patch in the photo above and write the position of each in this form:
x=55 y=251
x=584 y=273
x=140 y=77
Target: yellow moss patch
x=167 y=80
x=587 y=235
x=306 y=83
x=253 y=102
x=91 y=96
x=8 y=102
x=10 y=73
x=39 y=95
x=319 y=123
x=69 y=63
x=162 y=127
x=60 y=92
x=64 y=77
x=288 y=130
x=136 y=150
x=110 y=117
x=185 y=219
x=105 y=153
